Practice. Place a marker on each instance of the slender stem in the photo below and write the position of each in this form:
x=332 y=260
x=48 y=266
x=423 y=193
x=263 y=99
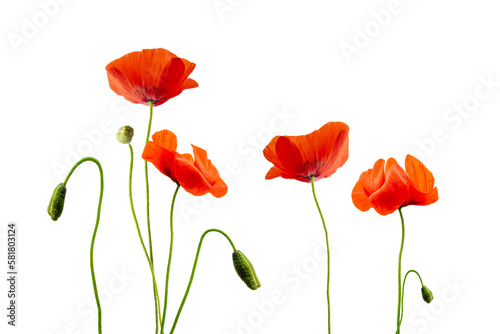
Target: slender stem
x=155 y=288
x=169 y=255
x=403 y=291
x=399 y=269
x=155 y=292
x=94 y=284
x=328 y=253
x=147 y=183
x=194 y=269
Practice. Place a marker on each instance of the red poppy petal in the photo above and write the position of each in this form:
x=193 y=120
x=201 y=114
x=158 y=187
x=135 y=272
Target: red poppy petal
x=204 y=164
x=189 y=177
x=273 y=173
x=188 y=157
x=165 y=139
x=270 y=154
x=420 y=198
x=331 y=146
x=188 y=69
x=373 y=179
x=359 y=197
x=219 y=189
x=141 y=69
x=126 y=68
x=189 y=83
x=171 y=76
x=183 y=81
x=422 y=190
x=121 y=86
x=340 y=152
x=151 y=152
x=162 y=159
x=152 y=63
x=289 y=156
x=172 y=81
x=421 y=177
x=270 y=151
x=392 y=195
x=390 y=162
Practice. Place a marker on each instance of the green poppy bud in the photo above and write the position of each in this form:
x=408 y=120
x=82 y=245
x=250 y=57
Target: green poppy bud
x=245 y=270
x=427 y=294
x=56 y=204
x=125 y=134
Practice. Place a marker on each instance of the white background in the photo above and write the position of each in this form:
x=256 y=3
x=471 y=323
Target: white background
x=255 y=60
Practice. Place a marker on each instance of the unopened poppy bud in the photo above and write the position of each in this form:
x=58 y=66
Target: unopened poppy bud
x=245 y=270
x=427 y=294
x=56 y=203
x=125 y=134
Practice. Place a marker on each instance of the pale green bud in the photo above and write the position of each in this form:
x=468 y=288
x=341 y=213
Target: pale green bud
x=125 y=134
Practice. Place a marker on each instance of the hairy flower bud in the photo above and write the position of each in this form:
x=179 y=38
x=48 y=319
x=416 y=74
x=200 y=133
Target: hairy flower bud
x=56 y=203
x=125 y=134
x=427 y=294
x=245 y=270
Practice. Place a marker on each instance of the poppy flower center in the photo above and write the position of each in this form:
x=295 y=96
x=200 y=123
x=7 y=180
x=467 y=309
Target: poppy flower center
x=312 y=169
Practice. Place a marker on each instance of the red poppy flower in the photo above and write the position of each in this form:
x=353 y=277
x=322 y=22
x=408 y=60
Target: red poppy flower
x=150 y=75
x=388 y=188
x=317 y=154
x=197 y=176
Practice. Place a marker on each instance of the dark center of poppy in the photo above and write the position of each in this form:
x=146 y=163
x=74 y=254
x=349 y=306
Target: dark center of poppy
x=309 y=169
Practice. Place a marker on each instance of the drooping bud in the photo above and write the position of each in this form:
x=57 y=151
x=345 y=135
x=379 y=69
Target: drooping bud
x=427 y=294
x=56 y=203
x=125 y=134
x=245 y=270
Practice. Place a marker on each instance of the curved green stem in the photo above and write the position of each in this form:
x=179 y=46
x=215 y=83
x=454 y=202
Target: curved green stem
x=328 y=253
x=94 y=284
x=399 y=269
x=194 y=269
x=403 y=291
x=169 y=255
x=155 y=288
x=155 y=292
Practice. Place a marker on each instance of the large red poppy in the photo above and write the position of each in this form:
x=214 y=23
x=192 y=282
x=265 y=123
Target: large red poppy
x=387 y=187
x=197 y=176
x=317 y=154
x=155 y=75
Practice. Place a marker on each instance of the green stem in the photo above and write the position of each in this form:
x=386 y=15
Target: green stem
x=169 y=255
x=155 y=292
x=94 y=284
x=399 y=269
x=147 y=183
x=328 y=253
x=194 y=269
x=403 y=291
x=155 y=288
